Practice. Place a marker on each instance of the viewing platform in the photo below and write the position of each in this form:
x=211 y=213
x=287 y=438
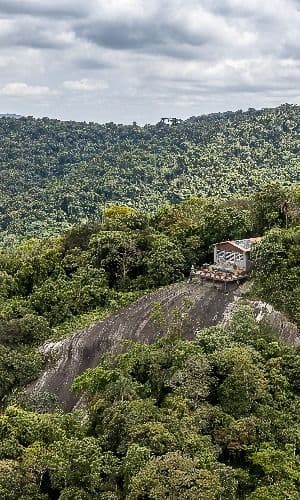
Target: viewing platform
x=232 y=263
x=217 y=274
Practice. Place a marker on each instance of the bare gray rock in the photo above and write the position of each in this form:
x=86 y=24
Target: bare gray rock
x=287 y=331
x=82 y=350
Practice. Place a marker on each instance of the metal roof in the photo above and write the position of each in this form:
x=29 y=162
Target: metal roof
x=244 y=245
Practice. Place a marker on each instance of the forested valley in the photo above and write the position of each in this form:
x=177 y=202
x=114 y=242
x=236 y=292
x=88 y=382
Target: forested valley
x=212 y=418
x=54 y=173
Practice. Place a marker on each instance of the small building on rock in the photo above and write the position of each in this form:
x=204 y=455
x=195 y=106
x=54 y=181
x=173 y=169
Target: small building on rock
x=234 y=255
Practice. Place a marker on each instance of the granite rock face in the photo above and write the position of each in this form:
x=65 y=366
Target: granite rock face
x=287 y=331
x=82 y=350
x=207 y=306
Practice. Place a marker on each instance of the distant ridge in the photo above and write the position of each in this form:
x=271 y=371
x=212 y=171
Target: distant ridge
x=10 y=115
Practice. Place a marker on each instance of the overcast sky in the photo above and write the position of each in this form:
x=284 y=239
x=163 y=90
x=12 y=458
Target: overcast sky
x=126 y=60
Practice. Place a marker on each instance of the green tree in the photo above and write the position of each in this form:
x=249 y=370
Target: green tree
x=164 y=263
x=174 y=475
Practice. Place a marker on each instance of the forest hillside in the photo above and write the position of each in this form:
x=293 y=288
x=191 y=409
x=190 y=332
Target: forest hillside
x=205 y=412
x=216 y=416
x=55 y=173
x=51 y=287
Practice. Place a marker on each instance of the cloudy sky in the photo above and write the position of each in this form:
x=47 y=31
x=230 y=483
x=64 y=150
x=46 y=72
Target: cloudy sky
x=125 y=60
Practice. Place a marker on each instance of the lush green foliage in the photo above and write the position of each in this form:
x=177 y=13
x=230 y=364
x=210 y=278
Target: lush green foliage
x=214 y=418
x=53 y=286
x=55 y=173
x=277 y=275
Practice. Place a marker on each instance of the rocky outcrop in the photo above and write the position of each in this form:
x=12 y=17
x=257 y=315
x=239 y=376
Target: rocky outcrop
x=207 y=306
x=287 y=331
x=83 y=349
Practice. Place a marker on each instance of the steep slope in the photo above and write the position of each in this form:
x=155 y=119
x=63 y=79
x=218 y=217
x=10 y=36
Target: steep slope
x=84 y=348
x=207 y=306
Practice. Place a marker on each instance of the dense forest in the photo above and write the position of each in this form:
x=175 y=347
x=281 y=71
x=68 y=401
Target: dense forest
x=55 y=173
x=213 y=418
x=91 y=218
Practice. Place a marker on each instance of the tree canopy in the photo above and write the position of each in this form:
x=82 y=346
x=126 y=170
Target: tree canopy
x=93 y=216
x=202 y=419
x=56 y=173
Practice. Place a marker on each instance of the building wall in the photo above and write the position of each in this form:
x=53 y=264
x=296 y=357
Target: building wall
x=230 y=257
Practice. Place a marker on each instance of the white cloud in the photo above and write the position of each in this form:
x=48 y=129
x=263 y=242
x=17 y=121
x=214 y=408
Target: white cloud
x=85 y=85
x=137 y=60
x=19 y=89
x=7 y=61
x=45 y=8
